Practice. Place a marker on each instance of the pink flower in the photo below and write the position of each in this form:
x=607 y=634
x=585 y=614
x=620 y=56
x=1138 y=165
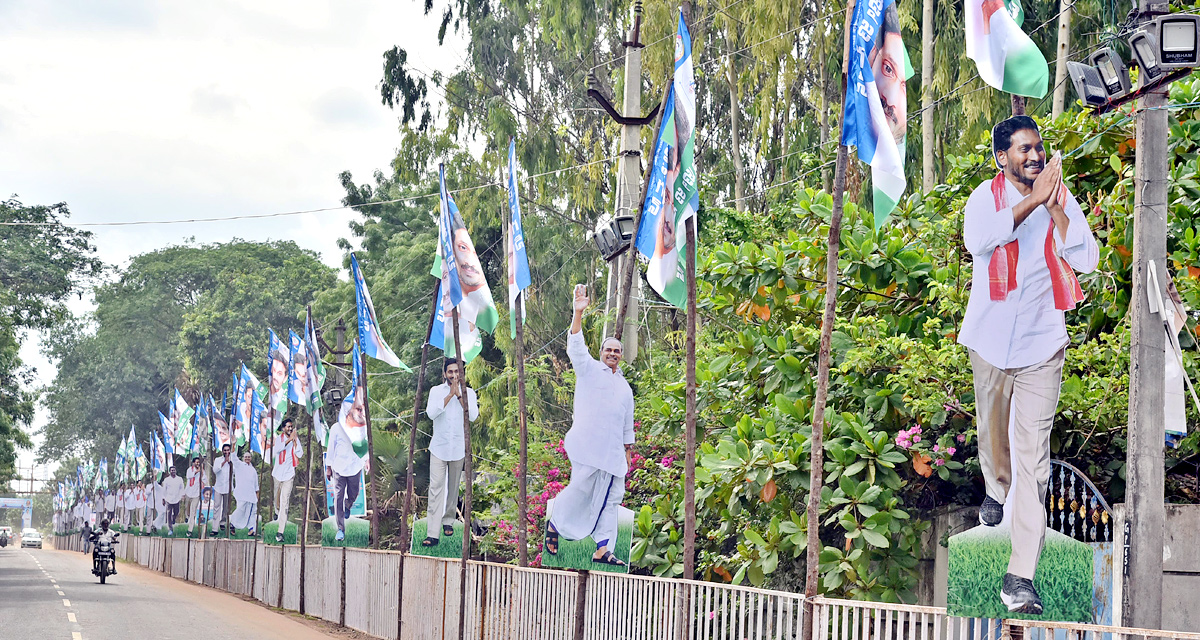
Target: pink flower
x=668 y=461
x=939 y=462
x=712 y=614
x=962 y=437
x=936 y=448
x=916 y=438
x=951 y=450
x=637 y=424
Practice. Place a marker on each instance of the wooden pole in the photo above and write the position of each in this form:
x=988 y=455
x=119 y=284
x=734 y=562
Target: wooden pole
x=467 y=471
x=410 y=480
x=689 y=428
x=372 y=493
x=308 y=453
x=816 y=462
x=523 y=465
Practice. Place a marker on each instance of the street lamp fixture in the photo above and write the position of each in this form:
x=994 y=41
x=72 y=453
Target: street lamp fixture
x=1088 y=84
x=613 y=235
x=1177 y=47
x=1114 y=75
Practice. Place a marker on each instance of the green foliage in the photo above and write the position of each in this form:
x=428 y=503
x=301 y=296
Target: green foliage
x=184 y=316
x=42 y=262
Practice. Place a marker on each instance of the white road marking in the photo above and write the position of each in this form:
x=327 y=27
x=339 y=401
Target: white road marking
x=70 y=617
x=75 y=635
x=66 y=603
x=61 y=593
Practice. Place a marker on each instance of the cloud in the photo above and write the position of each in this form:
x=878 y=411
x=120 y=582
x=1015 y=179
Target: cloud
x=211 y=101
x=120 y=15
x=345 y=106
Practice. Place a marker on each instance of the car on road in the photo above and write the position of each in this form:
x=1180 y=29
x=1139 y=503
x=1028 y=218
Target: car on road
x=31 y=538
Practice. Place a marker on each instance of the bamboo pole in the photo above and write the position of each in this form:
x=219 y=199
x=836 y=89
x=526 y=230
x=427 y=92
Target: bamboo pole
x=308 y=453
x=405 y=535
x=416 y=416
x=817 y=443
x=372 y=491
x=467 y=471
x=523 y=465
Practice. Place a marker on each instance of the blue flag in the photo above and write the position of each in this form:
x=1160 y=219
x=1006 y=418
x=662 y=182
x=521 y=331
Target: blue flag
x=876 y=100
x=297 y=370
x=450 y=282
x=257 y=437
x=369 y=336
x=518 y=260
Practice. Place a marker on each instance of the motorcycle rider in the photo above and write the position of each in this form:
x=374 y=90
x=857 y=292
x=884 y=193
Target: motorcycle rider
x=103 y=534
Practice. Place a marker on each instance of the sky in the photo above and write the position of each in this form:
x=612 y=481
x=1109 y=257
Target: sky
x=142 y=110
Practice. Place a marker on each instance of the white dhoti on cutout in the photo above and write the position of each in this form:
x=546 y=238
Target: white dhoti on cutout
x=588 y=505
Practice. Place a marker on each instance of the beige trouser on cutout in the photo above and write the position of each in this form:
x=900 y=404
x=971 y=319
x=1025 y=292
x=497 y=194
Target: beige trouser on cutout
x=444 y=477
x=1031 y=395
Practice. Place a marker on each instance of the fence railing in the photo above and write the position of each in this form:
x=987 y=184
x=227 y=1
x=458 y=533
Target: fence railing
x=390 y=595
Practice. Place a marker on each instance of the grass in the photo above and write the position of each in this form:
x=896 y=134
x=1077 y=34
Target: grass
x=448 y=547
x=358 y=533
x=577 y=554
x=291 y=533
x=979 y=558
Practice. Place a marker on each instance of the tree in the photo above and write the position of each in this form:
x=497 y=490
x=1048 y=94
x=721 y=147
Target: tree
x=42 y=262
x=184 y=316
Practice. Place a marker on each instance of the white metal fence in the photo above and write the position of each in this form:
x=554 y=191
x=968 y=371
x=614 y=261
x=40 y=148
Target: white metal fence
x=504 y=602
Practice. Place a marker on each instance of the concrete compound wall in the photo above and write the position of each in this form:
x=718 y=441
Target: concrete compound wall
x=1181 y=566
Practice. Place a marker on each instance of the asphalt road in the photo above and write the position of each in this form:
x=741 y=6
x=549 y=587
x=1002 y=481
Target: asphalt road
x=48 y=594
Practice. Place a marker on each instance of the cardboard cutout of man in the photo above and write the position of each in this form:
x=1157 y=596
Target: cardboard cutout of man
x=287 y=455
x=598 y=445
x=1027 y=236
x=447 y=449
x=245 y=491
x=222 y=471
x=344 y=463
x=196 y=476
x=173 y=491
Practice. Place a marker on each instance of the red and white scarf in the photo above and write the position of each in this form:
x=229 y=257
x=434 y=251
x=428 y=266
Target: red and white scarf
x=1002 y=269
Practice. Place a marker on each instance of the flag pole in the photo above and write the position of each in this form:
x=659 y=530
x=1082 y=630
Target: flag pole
x=308 y=454
x=816 y=463
x=467 y=471
x=522 y=484
x=523 y=463
x=410 y=480
x=372 y=491
x=416 y=416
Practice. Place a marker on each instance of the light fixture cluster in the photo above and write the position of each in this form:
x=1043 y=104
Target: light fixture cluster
x=613 y=235
x=1162 y=45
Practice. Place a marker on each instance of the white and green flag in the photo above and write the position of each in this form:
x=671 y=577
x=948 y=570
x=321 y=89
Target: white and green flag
x=1006 y=58
x=181 y=421
x=673 y=197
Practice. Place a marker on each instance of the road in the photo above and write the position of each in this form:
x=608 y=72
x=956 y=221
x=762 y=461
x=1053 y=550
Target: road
x=48 y=594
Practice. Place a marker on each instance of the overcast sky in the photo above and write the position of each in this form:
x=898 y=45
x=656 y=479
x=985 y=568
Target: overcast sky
x=142 y=110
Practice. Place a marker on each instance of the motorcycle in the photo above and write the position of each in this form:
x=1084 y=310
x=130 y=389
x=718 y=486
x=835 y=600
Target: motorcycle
x=104 y=558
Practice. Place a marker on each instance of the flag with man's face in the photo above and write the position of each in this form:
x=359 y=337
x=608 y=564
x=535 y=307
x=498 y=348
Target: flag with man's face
x=168 y=432
x=139 y=463
x=518 y=260
x=220 y=426
x=278 y=362
x=1005 y=57
x=159 y=455
x=352 y=413
x=673 y=196
x=200 y=429
x=463 y=285
x=248 y=389
x=257 y=432
x=316 y=379
x=369 y=336
x=297 y=376
x=876 y=101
